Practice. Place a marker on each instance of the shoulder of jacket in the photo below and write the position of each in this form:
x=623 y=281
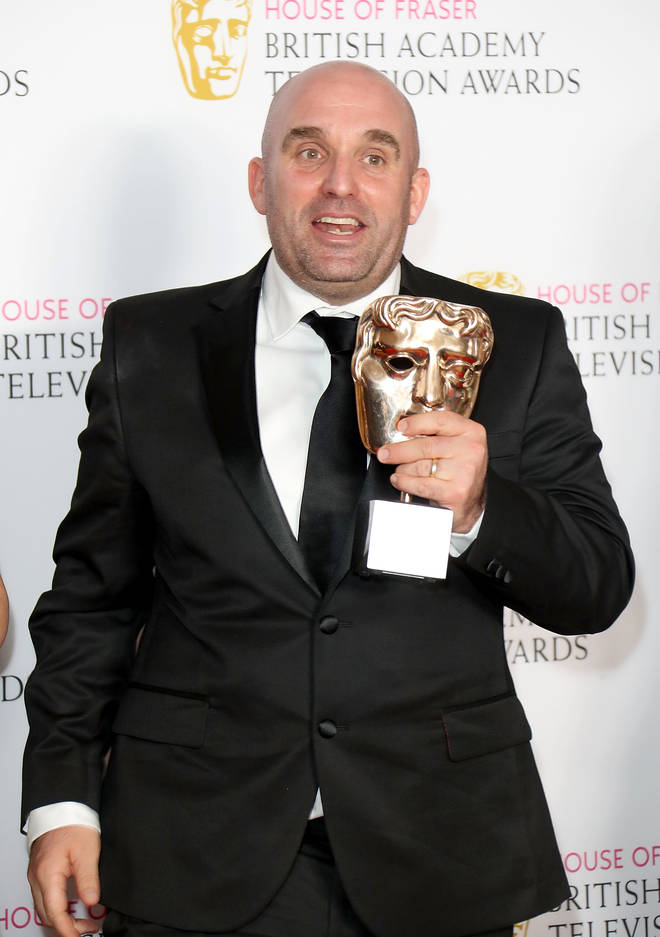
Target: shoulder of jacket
x=492 y=301
x=183 y=302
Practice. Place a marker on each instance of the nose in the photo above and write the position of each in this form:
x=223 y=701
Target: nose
x=339 y=179
x=221 y=45
x=429 y=387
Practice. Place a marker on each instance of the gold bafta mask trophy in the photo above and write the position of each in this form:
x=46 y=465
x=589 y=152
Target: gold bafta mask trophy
x=413 y=354
x=210 y=38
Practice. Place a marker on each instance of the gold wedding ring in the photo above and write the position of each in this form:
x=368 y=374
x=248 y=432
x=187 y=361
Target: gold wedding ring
x=434 y=468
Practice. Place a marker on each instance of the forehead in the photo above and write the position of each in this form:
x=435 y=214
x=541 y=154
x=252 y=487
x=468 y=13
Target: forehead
x=428 y=332
x=217 y=9
x=341 y=104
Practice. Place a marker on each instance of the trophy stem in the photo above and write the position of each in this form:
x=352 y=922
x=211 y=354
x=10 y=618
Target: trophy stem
x=406 y=498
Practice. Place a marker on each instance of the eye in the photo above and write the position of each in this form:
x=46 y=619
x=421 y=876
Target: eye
x=459 y=376
x=310 y=154
x=374 y=159
x=237 y=29
x=202 y=33
x=400 y=365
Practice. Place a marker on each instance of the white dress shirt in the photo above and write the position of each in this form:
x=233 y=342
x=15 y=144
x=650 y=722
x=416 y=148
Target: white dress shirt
x=292 y=368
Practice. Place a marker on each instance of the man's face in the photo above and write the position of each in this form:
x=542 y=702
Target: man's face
x=421 y=365
x=338 y=183
x=214 y=40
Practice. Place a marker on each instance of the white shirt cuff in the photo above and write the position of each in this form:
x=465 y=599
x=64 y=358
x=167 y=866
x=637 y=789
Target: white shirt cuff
x=68 y=813
x=460 y=542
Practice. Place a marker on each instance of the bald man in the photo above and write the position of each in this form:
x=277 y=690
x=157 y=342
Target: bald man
x=296 y=750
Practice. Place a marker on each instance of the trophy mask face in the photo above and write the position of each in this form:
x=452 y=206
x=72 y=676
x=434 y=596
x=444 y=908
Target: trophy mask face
x=416 y=354
x=210 y=37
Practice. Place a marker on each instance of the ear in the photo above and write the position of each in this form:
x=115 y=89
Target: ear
x=256 y=178
x=419 y=189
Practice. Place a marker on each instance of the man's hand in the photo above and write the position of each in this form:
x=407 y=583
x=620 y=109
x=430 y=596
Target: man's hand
x=460 y=451
x=56 y=856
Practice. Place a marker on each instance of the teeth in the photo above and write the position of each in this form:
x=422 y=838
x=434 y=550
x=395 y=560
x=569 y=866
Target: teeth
x=327 y=219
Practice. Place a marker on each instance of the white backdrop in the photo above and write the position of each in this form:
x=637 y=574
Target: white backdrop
x=541 y=130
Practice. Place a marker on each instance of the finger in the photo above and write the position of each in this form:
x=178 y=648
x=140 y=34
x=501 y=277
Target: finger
x=452 y=484
x=423 y=486
x=84 y=867
x=421 y=448
x=87 y=925
x=56 y=906
x=463 y=495
x=433 y=422
x=438 y=468
x=57 y=911
x=67 y=926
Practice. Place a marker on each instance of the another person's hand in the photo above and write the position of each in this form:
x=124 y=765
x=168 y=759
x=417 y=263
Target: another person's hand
x=4 y=611
x=56 y=856
x=458 y=449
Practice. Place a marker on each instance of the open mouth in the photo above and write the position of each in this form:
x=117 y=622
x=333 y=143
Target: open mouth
x=337 y=224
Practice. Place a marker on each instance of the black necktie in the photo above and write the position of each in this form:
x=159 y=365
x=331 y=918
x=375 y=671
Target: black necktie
x=336 y=460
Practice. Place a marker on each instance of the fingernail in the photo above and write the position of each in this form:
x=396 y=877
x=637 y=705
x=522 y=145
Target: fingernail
x=383 y=453
x=403 y=426
x=394 y=479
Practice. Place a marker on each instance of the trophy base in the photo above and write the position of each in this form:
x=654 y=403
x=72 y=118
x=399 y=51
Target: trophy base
x=396 y=539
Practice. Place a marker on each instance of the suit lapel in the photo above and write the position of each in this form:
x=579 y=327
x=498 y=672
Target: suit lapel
x=226 y=347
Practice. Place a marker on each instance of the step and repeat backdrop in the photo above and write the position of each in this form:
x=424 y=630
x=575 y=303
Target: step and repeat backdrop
x=125 y=133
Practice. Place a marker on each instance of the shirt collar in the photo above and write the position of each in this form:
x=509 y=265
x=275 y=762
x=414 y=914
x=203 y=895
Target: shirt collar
x=284 y=303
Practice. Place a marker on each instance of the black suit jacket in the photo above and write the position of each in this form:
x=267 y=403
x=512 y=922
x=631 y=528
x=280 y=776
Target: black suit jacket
x=433 y=804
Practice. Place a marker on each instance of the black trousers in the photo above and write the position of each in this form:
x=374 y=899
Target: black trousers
x=311 y=903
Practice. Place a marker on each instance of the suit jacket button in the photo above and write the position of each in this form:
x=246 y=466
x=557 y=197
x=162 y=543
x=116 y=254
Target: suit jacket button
x=492 y=566
x=498 y=571
x=329 y=624
x=327 y=729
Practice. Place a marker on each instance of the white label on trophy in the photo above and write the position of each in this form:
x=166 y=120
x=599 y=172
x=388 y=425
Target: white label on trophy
x=408 y=539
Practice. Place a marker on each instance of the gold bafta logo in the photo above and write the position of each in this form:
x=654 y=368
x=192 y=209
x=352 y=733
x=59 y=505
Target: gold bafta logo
x=520 y=930
x=494 y=280
x=210 y=38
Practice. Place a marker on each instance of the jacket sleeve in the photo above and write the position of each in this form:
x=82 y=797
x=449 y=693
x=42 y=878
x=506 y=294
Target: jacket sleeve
x=85 y=628
x=552 y=545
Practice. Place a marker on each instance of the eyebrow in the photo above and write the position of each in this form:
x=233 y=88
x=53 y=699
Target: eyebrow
x=315 y=133
x=300 y=133
x=384 y=351
x=386 y=138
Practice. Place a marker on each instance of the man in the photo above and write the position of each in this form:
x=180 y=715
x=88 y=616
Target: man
x=258 y=699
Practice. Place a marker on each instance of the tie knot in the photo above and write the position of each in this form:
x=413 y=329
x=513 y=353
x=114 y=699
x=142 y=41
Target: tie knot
x=338 y=333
